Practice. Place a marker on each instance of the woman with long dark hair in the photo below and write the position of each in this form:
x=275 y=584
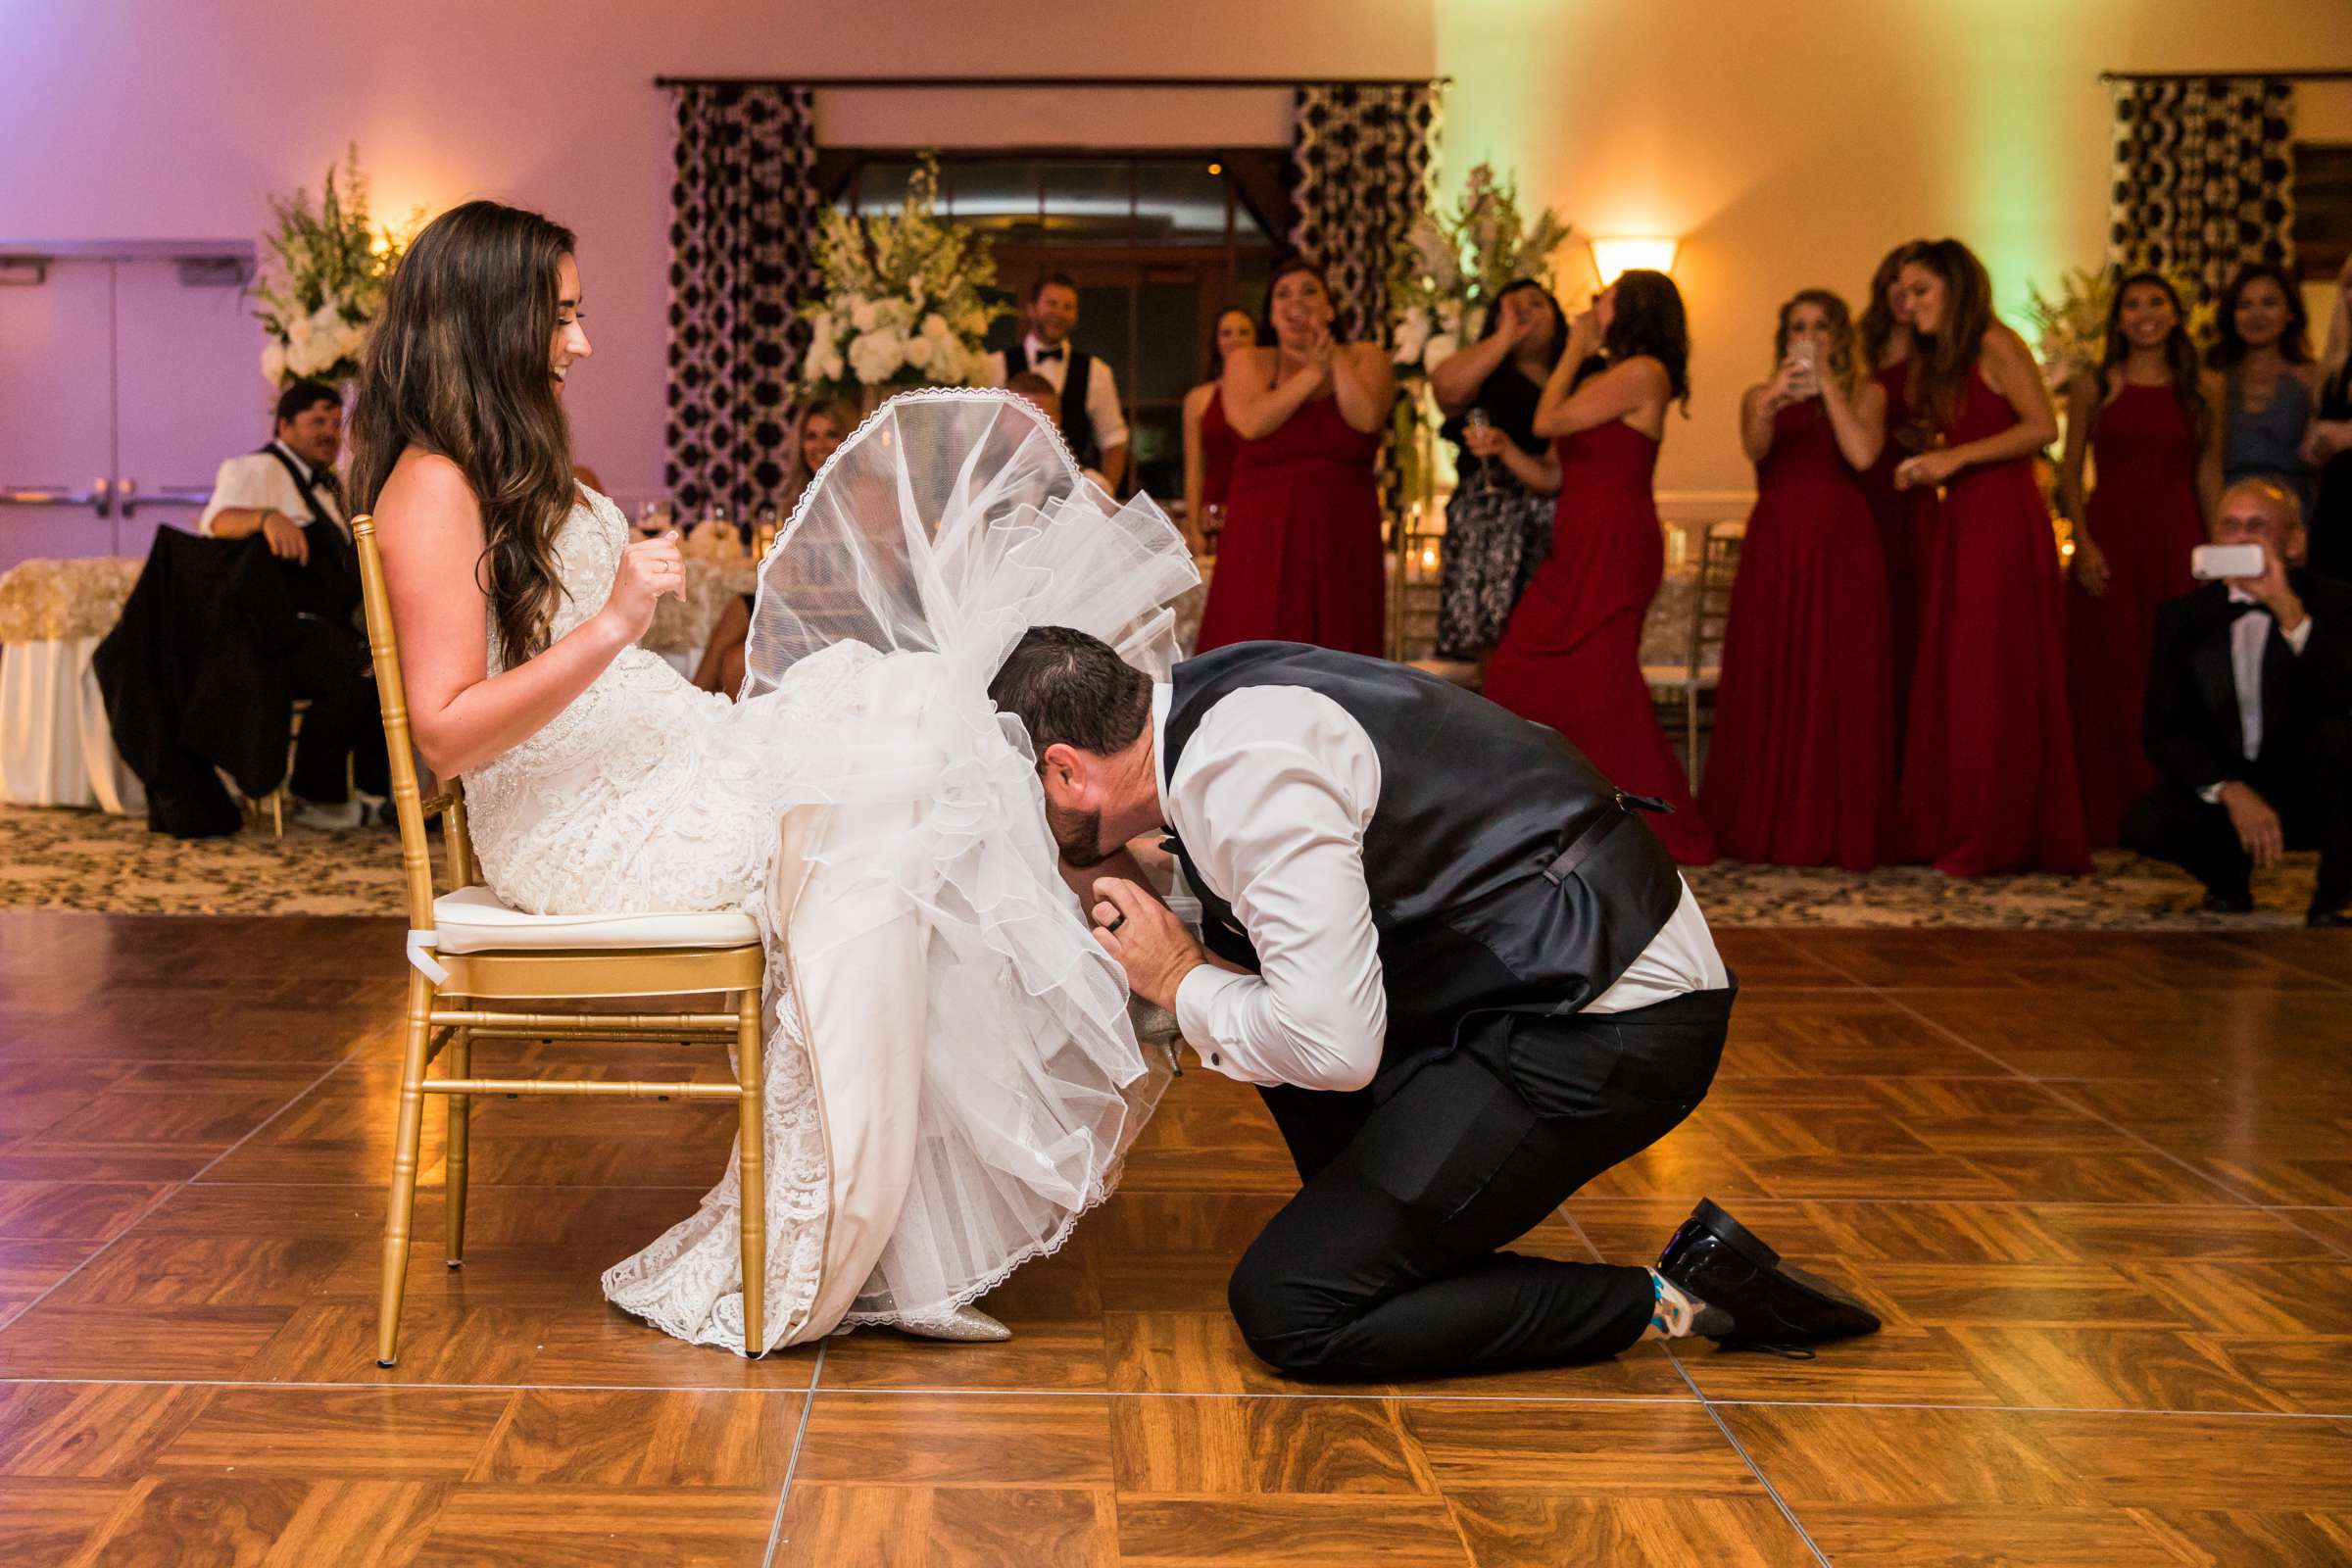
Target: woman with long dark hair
x=2145 y=419
x=1300 y=558
x=983 y=1080
x=1903 y=518
x=1571 y=655
x=1989 y=761
x=1209 y=444
x=2270 y=386
x=1802 y=768
x=1498 y=520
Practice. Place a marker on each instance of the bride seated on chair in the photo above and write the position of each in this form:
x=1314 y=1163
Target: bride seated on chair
x=865 y=805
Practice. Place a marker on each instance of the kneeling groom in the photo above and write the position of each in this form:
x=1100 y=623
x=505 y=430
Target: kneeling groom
x=1464 y=974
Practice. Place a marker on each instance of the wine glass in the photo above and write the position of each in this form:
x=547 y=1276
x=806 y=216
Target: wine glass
x=1475 y=419
x=1212 y=524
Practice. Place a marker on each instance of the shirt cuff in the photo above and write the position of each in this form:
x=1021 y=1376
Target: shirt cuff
x=1197 y=996
x=2211 y=794
x=2300 y=635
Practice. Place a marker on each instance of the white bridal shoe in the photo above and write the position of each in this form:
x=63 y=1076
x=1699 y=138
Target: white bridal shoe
x=965 y=1325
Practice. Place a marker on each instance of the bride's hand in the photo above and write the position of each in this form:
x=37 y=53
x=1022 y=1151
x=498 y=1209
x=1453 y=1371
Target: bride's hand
x=649 y=568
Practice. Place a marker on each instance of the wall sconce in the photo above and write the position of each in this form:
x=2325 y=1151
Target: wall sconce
x=1611 y=257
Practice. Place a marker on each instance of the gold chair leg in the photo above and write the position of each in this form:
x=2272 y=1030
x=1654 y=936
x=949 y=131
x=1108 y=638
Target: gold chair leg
x=277 y=813
x=460 y=1055
x=1691 y=734
x=753 y=1172
x=404 y=1169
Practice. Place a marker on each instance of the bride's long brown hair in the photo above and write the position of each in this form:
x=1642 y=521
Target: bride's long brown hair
x=457 y=366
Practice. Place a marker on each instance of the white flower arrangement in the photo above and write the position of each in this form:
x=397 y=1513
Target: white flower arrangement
x=1449 y=265
x=324 y=280
x=903 y=303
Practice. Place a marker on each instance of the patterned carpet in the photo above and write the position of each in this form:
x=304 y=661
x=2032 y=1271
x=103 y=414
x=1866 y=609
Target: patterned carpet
x=63 y=859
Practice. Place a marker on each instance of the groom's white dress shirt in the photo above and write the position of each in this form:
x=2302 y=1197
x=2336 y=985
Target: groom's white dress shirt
x=2249 y=635
x=1271 y=799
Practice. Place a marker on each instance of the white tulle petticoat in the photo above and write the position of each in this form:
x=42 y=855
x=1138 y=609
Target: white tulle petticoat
x=951 y=1079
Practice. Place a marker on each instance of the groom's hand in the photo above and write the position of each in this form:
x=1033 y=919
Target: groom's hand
x=1150 y=944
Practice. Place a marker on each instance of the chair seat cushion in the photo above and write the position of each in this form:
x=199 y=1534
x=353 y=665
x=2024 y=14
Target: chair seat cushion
x=472 y=921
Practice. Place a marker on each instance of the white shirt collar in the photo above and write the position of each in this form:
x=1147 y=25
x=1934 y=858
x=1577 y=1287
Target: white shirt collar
x=1162 y=693
x=2239 y=596
x=301 y=465
x=1033 y=345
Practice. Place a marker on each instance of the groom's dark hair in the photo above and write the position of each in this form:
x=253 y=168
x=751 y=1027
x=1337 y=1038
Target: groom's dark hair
x=1070 y=689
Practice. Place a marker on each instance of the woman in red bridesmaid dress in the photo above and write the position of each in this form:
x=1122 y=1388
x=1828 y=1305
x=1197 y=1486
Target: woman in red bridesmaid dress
x=1988 y=761
x=1801 y=769
x=1300 y=557
x=1571 y=653
x=1209 y=444
x=2147 y=419
x=1903 y=518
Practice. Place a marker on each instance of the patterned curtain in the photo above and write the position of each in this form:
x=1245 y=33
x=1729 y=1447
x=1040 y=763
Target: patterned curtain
x=1364 y=161
x=743 y=218
x=2204 y=176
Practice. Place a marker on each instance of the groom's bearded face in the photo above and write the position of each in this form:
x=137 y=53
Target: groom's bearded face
x=1078 y=834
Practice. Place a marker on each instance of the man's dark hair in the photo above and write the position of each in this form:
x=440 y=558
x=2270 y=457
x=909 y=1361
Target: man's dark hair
x=1052 y=280
x=303 y=396
x=1070 y=689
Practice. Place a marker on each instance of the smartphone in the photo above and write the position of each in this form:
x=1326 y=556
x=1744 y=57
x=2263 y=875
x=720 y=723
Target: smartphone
x=1805 y=350
x=2214 y=562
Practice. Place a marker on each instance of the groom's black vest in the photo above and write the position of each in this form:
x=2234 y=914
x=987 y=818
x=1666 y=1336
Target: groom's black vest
x=328 y=583
x=1506 y=874
x=1077 y=423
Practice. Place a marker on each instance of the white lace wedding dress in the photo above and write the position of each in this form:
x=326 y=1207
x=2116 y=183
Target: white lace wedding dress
x=950 y=1076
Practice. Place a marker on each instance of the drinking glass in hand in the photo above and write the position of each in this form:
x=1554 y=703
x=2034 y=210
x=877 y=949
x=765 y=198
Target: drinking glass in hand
x=1212 y=524
x=1477 y=419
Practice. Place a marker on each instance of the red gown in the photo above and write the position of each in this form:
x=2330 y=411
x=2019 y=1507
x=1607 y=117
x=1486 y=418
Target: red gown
x=1300 y=557
x=1988 y=759
x=1903 y=518
x=1571 y=653
x=1801 y=769
x=1219 y=446
x=2145 y=518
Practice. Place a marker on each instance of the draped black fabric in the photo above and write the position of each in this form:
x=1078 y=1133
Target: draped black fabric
x=2203 y=176
x=196 y=676
x=1363 y=158
x=744 y=206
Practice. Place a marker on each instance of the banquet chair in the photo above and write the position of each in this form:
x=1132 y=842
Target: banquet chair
x=471 y=960
x=1700 y=670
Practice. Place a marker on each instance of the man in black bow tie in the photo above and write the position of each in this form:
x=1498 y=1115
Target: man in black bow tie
x=1464 y=975
x=1091 y=420
x=2249 y=717
x=288 y=494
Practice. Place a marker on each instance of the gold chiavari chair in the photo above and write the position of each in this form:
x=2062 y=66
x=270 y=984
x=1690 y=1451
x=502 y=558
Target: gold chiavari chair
x=472 y=959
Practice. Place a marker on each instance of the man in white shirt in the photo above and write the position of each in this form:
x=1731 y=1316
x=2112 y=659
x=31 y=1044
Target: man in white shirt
x=2249 y=717
x=288 y=494
x=1092 y=422
x=1465 y=976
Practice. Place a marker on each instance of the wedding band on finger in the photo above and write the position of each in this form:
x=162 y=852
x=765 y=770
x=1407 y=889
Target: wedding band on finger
x=1116 y=923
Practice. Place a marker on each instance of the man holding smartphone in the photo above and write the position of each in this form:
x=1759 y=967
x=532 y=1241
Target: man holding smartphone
x=2249 y=712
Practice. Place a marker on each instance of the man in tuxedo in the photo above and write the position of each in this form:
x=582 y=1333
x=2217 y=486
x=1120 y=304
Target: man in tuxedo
x=1464 y=975
x=287 y=494
x=1089 y=419
x=2249 y=717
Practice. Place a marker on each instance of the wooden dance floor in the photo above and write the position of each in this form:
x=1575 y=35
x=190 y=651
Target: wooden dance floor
x=2099 y=1185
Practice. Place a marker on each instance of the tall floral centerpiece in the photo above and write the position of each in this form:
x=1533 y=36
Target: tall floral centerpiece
x=1447 y=272
x=1443 y=280
x=903 y=303
x=323 y=280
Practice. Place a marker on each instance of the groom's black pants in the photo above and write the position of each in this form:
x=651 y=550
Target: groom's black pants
x=1386 y=1264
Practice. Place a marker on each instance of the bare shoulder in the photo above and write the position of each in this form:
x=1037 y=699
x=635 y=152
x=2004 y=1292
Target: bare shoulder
x=1256 y=361
x=1195 y=401
x=426 y=487
x=1643 y=370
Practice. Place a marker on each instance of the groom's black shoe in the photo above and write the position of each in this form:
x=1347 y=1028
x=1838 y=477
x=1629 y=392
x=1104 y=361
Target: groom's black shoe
x=1718 y=1261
